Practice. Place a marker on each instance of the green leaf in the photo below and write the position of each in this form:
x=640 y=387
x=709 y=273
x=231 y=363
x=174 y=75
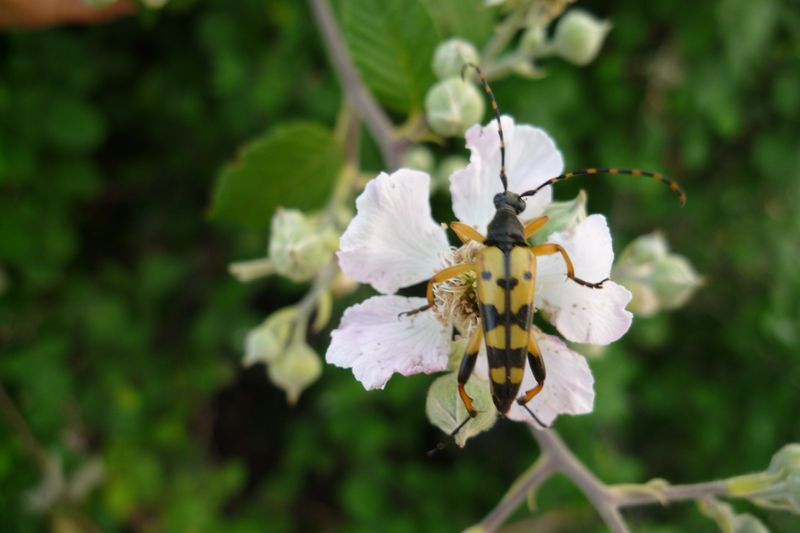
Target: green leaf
x=469 y=19
x=295 y=165
x=392 y=44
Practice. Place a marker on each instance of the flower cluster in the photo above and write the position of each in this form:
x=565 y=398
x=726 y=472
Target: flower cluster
x=393 y=242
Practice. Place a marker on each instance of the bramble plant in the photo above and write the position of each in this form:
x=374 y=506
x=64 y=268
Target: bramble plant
x=393 y=242
x=184 y=354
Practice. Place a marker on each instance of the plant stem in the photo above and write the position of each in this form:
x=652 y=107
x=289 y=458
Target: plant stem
x=504 y=33
x=361 y=99
x=595 y=490
x=14 y=418
x=669 y=493
x=556 y=457
x=539 y=472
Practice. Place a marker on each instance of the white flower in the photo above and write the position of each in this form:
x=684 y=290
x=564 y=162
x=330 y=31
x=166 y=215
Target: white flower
x=393 y=242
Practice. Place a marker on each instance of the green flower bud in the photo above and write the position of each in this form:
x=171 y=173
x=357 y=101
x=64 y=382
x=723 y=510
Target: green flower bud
x=452 y=106
x=778 y=487
x=451 y=56
x=658 y=279
x=579 y=36
x=563 y=216
x=728 y=520
x=418 y=158
x=296 y=370
x=268 y=341
x=299 y=244
x=534 y=41
x=448 y=165
x=446 y=411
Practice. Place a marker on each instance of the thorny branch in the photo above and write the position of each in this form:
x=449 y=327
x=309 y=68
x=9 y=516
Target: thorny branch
x=556 y=457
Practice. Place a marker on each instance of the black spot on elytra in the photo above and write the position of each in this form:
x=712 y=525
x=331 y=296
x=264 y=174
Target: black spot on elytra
x=507 y=283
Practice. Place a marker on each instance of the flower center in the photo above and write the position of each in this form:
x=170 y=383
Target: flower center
x=456 y=299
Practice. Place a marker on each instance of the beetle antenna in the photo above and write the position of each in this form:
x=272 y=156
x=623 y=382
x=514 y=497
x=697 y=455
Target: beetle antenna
x=496 y=110
x=673 y=185
x=441 y=445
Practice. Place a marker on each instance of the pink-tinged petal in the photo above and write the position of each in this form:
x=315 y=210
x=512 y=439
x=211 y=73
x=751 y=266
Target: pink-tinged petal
x=581 y=314
x=568 y=388
x=393 y=241
x=531 y=159
x=375 y=342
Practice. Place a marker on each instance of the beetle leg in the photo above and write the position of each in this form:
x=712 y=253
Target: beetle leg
x=446 y=274
x=535 y=225
x=550 y=249
x=467 y=366
x=466 y=233
x=537 y=366
x=536 y=362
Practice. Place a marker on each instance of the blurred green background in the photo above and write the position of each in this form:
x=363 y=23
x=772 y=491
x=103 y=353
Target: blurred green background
x=121 y=332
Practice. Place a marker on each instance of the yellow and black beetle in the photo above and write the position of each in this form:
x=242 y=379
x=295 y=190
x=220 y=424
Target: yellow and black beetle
x=506 y=277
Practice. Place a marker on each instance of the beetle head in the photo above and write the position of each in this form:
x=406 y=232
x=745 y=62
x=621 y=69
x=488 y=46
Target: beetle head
x=509 y=200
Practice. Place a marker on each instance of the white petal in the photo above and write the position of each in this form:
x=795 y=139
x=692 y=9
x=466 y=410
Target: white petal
x=568 y=388
x=581 y=314
x=531 y=159
x=393 y=241
x=375 y=342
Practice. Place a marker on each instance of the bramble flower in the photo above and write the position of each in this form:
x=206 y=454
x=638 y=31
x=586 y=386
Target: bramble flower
x=393 y=242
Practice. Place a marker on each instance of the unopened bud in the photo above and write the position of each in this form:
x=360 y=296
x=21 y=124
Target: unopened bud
x=448 y=165
x=446 y=411
x=727 y=519
x=658 y=279
x=268 y=341
x=564 y=216
x=452 y=106
x=451 y=56
x=418 y=158
x=299 y=244
x=295 y=370
x=534 y=41
x=778 y=487
x=579 y=36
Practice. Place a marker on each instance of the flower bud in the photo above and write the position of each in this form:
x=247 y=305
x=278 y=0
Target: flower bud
x=295 y=370
x=658 y=279
x=446 y=411
x=727 y=519
x=579 y=36
x=778 y=487
x=534 y=41
x=452 y=106
x=451 y=56
x=418 y=158
x=448 y=165
x=268 y=341
x=564 y=216
x=299 y=244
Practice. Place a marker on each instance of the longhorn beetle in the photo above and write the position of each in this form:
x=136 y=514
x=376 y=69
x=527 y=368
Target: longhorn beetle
x=507 y=275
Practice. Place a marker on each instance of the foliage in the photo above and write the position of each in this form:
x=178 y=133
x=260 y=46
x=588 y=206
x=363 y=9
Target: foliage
x=121 y=332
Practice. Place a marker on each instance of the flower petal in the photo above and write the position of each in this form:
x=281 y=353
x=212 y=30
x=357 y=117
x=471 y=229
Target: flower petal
x=531 y=159
x=375 y=342
x=568 y=389
x=581 y=314
x=393 y=241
